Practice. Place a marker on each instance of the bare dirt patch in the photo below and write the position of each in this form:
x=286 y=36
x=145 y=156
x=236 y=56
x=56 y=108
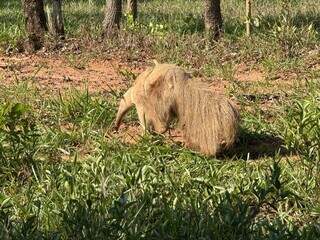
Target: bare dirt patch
x=245 y=74
x=58 y=73
x=61 y=72
x=54 y=73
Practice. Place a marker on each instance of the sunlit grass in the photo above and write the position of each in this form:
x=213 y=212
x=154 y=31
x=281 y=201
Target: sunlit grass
x=62 y=175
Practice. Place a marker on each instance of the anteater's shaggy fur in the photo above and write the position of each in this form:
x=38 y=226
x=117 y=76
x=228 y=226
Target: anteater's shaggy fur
x=209 y=121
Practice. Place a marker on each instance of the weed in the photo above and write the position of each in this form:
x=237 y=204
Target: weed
x=302 y=126
x=19 y=141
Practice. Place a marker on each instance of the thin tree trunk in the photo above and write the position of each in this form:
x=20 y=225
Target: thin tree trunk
x=113 y=14
x=213 y=18
x=36 y=24
x=248 y=17
x=132 y=8
x=55 y=18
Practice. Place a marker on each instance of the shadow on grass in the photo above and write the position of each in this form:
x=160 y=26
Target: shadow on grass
x=152 y=216
x=13 y=4
x=10 y=14
x=299 y=20
x=183 y=23
x=9 y=19
x=179 y=23
x=253 y=146
x=98 y=3
x=141 y=219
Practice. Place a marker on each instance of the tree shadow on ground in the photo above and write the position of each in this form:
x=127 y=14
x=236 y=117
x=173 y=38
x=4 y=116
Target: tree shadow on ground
x=9 y=19
x=151 y=217
x=186 y=23
x=299 y=20
x=193 y=23
x=13 y=4
x=179 y=23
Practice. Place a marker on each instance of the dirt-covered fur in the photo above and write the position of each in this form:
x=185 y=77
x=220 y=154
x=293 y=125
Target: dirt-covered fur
x=209 y=121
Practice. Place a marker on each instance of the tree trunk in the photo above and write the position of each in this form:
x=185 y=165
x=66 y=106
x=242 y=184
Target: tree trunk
x=248 y=17
x=36 y=23
x=55 y=18
x=213 y=18
x=113 y=13
x=132 y=8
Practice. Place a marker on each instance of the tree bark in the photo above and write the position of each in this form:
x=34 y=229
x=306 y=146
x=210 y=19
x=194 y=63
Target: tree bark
x=132 y=8
x=36 y=24
x=55 y=18
x=248 y=17
x=113 y=14
x=213 y=18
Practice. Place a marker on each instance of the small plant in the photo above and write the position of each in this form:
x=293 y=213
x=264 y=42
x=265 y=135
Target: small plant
x=156 y=29
x=19 y=139
x=291 y=38
x=302 y=125
x=130 y=23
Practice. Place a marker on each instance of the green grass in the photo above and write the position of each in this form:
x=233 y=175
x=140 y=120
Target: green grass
x=62 y=175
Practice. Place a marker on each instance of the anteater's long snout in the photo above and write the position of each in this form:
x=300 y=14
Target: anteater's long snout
x=125 y=104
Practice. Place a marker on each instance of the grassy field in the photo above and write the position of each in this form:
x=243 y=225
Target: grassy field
x=64 y=176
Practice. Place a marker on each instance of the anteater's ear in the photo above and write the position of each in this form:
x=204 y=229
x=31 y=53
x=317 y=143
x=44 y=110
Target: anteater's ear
x=158 y=79
x=152 y=82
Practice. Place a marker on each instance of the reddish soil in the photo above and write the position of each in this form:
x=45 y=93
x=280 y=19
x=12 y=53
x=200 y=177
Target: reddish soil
x=59 y=73
x=245 y=74
x=131 y=133
x=53 y=73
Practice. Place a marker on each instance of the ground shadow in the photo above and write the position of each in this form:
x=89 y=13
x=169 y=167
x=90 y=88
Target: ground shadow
x=13 y=4
x=183 y=23
x=193 y=23
x=179 y=23
x=99 y=3
x=7 y=9
x=231 y=218
x=9 y=19
x=253 y=146
x=299 y=20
